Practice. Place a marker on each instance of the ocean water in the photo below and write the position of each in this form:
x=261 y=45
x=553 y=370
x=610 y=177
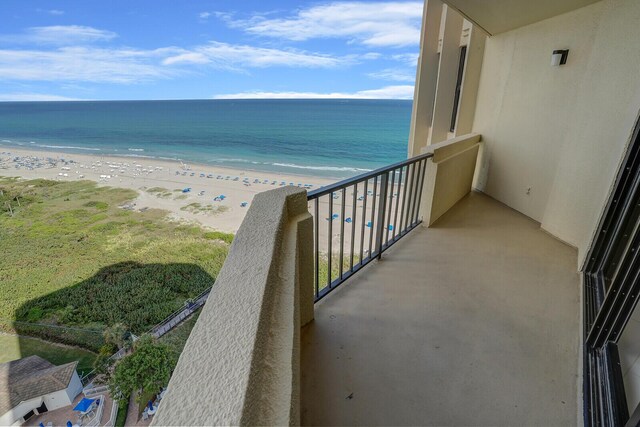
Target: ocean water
x=329 y=138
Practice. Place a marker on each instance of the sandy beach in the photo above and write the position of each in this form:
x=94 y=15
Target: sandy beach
x=213 y=197
x=223 y=195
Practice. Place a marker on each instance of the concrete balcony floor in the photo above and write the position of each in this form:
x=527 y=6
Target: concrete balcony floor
x=472 y=322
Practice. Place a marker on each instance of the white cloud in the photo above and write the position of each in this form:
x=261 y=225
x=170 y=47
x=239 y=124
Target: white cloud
x=126 y=65
x=387 y=92
x=9 y=97
x=87 y=64
x=229 y=56
x=392 y=23
x=409 y=59
x=204 y=15
x=393 y=74
x=187 y=58
x=60 y=35
x=55 y=12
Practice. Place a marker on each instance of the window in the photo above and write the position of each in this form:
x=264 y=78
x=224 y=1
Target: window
x=28 y=415
x=43 y=408
x=456 y=97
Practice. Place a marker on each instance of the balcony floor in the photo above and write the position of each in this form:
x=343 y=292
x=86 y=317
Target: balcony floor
x=474 y=321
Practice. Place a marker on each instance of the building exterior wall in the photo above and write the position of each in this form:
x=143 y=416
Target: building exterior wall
x=444 y=32
x=74 y=388
x=53 y=401
x=10 y=417
x=554 y=136
x=56 y=400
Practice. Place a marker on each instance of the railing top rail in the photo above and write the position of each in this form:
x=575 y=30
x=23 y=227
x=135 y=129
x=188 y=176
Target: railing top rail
x=331 y=188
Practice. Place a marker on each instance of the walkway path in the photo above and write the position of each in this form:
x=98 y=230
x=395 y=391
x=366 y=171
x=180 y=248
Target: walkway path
x=177 y=317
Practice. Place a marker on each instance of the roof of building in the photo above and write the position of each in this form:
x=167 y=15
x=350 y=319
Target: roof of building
x=31 y=377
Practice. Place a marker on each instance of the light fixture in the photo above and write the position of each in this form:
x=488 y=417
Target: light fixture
x=559 y=57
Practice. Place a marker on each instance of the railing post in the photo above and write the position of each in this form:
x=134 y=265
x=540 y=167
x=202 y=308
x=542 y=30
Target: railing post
x=384 y=181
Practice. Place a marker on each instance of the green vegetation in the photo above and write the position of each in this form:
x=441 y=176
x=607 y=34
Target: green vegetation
x=143 y=372
x=71 y=257
x=200 y=208
x=177 y=337
x=159 y=192
x=323 y=270
x=121 y=418
x=115 y=336
x=219 y=235
x=15 y=347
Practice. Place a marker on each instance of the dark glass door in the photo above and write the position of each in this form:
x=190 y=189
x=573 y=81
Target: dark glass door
x=611 y=288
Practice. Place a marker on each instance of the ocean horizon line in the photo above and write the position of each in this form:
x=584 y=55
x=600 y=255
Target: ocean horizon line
x=203 y=99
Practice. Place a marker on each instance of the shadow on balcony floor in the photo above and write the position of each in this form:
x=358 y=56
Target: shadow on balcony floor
x=472 y=322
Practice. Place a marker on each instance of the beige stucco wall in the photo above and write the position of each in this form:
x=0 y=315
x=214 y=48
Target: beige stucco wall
x=240 y=365
x=448 y=176
x=560 y=131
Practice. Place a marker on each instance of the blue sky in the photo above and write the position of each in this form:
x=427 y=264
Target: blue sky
x=162 y=49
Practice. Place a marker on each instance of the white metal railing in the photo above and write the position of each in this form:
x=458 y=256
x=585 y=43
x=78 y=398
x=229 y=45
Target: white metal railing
x=94 y=390
x=114 y=413
x=95 y=421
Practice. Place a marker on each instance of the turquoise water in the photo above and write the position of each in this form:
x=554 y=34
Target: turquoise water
x=332 y=138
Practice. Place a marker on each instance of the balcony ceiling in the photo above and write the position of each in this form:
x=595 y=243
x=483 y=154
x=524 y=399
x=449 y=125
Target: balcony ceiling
x=498 y=16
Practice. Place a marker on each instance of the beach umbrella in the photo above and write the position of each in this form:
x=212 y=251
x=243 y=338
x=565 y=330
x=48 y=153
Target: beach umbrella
x=84 y=404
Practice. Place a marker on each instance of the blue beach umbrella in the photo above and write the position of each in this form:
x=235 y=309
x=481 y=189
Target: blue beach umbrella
x=84 y=404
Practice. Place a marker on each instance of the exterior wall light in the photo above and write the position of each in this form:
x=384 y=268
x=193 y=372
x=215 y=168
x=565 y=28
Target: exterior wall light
x=559 y=57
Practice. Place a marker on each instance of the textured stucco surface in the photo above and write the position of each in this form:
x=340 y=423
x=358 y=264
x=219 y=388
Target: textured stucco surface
x=474 y=321
x=449 y=175
x=240 y=364
x=554 y=136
